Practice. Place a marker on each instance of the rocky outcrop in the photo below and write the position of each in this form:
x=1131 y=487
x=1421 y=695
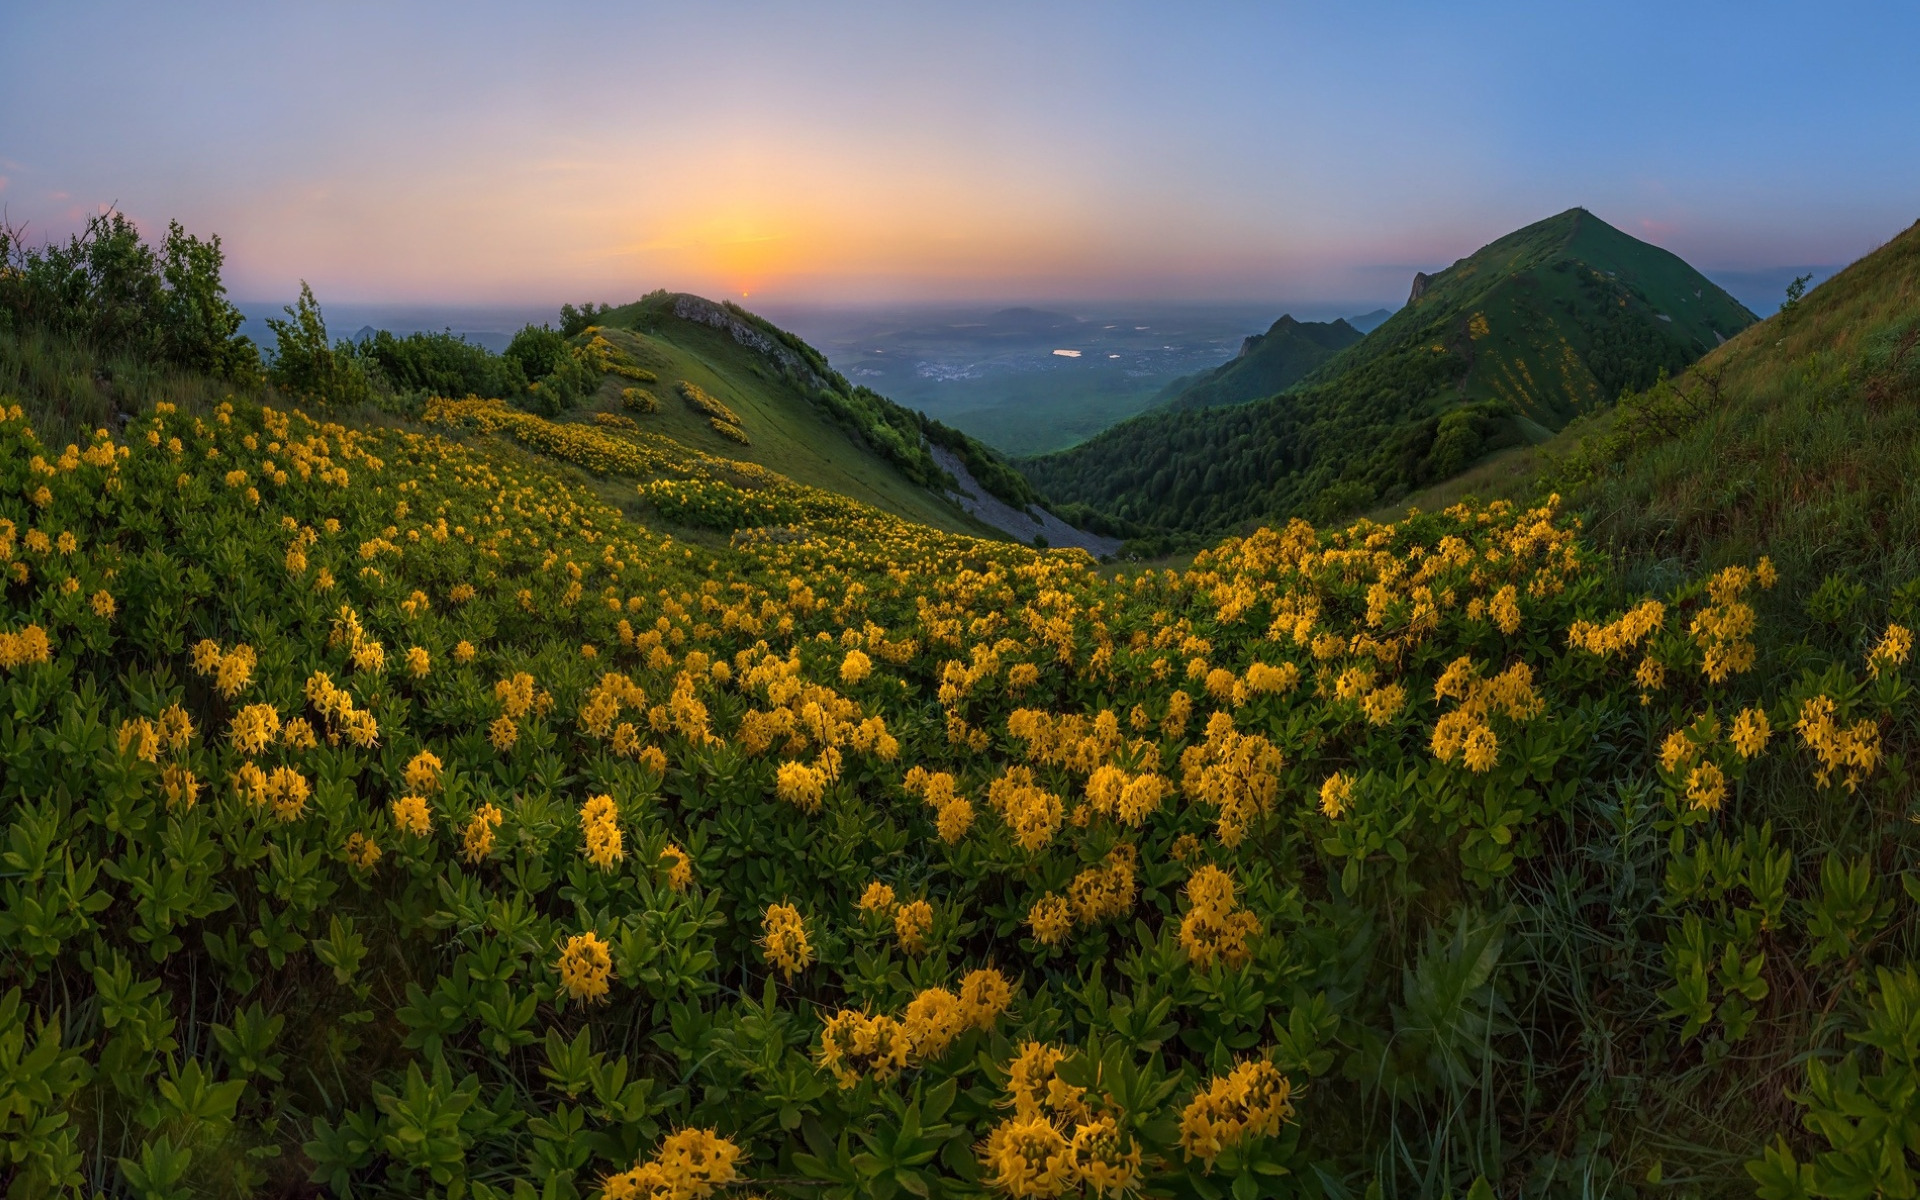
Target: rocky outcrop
x=706 y=312
x=1420 y=281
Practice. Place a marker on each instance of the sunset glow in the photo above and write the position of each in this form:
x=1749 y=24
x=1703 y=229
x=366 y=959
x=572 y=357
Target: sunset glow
x=854 y=153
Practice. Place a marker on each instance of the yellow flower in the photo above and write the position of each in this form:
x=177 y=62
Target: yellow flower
x=679 y=869
x=1481 y=749
x=411 y=816
x=878 y=898
x=362 y=851
x=855 y=667
x=911 y=924
x=180 y=786
x=984 y=995
x=784 y=938
x=1706 y=787
x=586 y=968
x=423 y=773
x=1890 y=654
x=1253 y=1100
x=1050 y=919
x=463 y=652
x=418 y=662
x=478 y=839
x=600 y=824
x=1028 y=1157
x=1750 y=733
x=503 y=733
x=288 y=790
x=1335 y=793
x=254 y=728
x=800 y=785
x=855 y=1044
x=103 y=605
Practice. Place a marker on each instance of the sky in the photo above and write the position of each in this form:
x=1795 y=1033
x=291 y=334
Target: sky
x=491 y=153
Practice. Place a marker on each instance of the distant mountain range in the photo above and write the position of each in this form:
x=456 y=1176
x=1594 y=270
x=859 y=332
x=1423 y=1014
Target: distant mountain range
x=1506 y=345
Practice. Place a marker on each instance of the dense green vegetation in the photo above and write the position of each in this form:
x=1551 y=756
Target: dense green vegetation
x=125 y=299
x=1501 y=348
x=1269 y=362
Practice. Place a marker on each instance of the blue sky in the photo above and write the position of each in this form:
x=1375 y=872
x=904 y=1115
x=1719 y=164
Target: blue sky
x=822 y=152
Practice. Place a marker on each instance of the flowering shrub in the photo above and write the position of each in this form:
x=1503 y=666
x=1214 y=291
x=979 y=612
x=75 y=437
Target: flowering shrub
x=409 y=815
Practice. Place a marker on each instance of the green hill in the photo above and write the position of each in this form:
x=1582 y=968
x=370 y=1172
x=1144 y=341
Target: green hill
x=1503 y=347
x=1267 y=363
x=798 y=416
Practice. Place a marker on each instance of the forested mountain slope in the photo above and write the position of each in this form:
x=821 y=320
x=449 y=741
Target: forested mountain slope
x=1504 y=346
x=1267 y=363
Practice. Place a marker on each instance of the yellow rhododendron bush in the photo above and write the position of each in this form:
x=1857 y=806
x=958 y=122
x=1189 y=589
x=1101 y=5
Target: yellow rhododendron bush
x=385 y=810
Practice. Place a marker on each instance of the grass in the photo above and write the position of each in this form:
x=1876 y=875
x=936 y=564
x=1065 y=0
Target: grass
x=785 y=432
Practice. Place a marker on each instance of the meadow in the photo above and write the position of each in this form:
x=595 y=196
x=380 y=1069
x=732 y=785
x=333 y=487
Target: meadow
x=396 y=804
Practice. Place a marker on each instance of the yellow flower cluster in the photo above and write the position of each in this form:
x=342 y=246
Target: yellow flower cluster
x=1335 y=794
x=855 y=1044
x=1237 y=773
x=284 y=788
x=953 y=813
x=423 y=773
x=1623 y=633
x=911 y=924
x=168 y=733
x=586 y=967
x=784 y=938
x=1853 y=751
x=369 y=657
x=600 y=826
x=28 y=647
x=1059 y=1140
x=478 y=839
x=690 y=1165
x=411 y=815
x=336 y=707
x=679 y=867
x=1105 y=892
x=1253 y=1100
x=1465 y=731
x=1723 y=629
x=707 y=404
x=1216 y=928
x=232 y=670
x=1891 y=652
x=1032 y=814
x=1124 y=796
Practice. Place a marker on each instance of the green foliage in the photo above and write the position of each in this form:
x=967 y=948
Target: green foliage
x=120 y=297
x=438 y=364
x=574 y=321
x=305 y=363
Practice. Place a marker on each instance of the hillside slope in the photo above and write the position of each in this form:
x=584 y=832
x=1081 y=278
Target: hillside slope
x=796 y=416
x=1267 y=363
x=1504 y=346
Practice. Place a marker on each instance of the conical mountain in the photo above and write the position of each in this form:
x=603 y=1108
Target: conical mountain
x=1504 y=346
